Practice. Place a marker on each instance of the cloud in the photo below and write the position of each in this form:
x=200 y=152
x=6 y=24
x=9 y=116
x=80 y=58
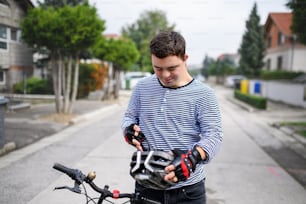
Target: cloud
x=210 y=27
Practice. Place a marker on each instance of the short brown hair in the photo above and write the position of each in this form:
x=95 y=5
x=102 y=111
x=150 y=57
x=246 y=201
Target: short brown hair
x=168 y=43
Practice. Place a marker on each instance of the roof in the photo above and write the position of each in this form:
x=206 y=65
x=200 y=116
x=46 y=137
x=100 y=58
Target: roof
x=112 y=36
x=282 y=21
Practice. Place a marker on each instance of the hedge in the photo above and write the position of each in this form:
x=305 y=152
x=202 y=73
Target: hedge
x=253 y=100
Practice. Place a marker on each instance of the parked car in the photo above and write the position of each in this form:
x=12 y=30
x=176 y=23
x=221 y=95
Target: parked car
x=233 y=81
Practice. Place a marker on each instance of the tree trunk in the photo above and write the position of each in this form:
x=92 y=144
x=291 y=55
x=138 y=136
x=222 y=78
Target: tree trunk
x=107 y=85
x=59 y=81
x=54 y=69
x=117 y=84
x=56 y=73
x=63 y=80
x=68 y=85
x=75 y=83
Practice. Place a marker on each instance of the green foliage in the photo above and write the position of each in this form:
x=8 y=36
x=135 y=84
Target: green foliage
x=221 y=68
x=86 y=82
x=34 y=86
x=122 y=52
x=298 y=19
x=205 y=66
x=253 y=100
x=143 y=30
x=252 y=47
x=68 y=29
x=39 y=26
x=299 y=127
x=66 y=32
x=279 y=74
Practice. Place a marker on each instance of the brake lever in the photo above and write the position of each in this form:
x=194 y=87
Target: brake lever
x=76 y=188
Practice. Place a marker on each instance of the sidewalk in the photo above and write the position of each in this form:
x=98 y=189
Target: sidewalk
x=241 y=173
x=27 y=126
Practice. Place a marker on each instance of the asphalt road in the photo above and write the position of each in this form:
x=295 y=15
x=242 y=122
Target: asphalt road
x=257 y=163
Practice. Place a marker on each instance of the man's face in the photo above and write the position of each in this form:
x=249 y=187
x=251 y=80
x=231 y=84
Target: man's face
x=170 y=70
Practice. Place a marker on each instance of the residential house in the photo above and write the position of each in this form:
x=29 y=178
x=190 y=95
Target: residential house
x=283 y=51
x=231 y=58
x=16 y=58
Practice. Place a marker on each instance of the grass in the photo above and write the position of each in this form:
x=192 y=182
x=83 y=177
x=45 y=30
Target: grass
x=298 y=127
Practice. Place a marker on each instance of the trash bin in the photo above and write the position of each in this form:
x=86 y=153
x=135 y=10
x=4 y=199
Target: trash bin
x=237 y=84
x=257 y=87
x=3 y=102
x=244 y=86
x=127 y=84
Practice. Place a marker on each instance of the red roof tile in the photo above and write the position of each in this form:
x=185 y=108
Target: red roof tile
x=283 y=22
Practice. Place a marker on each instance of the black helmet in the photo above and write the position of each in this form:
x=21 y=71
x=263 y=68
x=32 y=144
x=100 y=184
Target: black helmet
x=148 y=168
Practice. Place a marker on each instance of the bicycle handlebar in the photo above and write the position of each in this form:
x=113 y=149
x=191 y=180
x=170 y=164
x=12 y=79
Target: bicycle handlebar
x=79 y=178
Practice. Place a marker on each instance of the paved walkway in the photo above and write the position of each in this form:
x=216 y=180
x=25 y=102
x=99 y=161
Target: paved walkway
x=241 y=173
x=26 y=126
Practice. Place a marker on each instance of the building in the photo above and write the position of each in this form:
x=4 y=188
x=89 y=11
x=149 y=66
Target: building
x=16 y=58
x=283 y=51
x=231 y=58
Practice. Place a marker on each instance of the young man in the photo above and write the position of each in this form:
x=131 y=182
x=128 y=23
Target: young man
x=175 y=113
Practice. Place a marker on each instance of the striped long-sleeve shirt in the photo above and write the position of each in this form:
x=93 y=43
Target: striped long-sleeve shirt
x=176 y=118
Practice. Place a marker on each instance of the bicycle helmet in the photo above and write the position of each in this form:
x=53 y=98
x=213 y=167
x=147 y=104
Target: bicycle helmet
x=148 y=168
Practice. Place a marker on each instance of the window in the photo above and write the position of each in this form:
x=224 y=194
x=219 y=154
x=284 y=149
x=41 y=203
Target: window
x=2 y=77
x=14 y=34
x=3 y=34
x=269 y=42
x=3 y=45
x=281 y=38
x=268 y=64
x=3 y=37
x=279 y=63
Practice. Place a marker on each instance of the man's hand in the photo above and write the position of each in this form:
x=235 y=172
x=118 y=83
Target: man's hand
x=134 y=136
x=183 y=165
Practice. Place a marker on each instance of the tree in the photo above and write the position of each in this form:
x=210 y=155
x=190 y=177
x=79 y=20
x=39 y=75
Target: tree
x=143 y=30
x=220 y=68
x=252 y=47
x=205 y=66
x=121 y=54
x=298 y=19
x=65 y=32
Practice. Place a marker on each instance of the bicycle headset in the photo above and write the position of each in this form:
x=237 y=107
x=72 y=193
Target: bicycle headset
x=148 y=168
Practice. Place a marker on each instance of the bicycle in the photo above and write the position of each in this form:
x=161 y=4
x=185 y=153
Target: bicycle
x=79 y=179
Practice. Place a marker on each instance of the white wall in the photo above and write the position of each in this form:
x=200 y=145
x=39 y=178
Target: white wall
x=299 y=62
x=289 y=93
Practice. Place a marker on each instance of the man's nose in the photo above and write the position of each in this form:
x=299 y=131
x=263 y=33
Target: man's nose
x=165 y=74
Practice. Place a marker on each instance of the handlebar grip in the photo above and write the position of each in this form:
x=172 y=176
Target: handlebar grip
x=62 y=168
x=72 y=173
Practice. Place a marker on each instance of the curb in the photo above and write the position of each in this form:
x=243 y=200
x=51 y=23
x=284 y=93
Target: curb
x=90 y=115
x=241 y=104
x=7 y=148
x=73 y=123
x=76 y=123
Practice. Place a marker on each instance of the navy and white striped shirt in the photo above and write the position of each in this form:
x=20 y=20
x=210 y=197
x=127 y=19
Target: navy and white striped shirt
x=176 y=118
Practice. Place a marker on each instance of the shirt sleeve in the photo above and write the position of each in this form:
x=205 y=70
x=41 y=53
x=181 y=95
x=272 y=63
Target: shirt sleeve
x=131 y=114
x=209 y=118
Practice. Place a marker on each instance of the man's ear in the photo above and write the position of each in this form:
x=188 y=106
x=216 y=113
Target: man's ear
x=186 y=57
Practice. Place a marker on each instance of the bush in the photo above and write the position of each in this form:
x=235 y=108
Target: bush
x=34 y=85
x=255 y=101
x=86 y=83
x=279 y=74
